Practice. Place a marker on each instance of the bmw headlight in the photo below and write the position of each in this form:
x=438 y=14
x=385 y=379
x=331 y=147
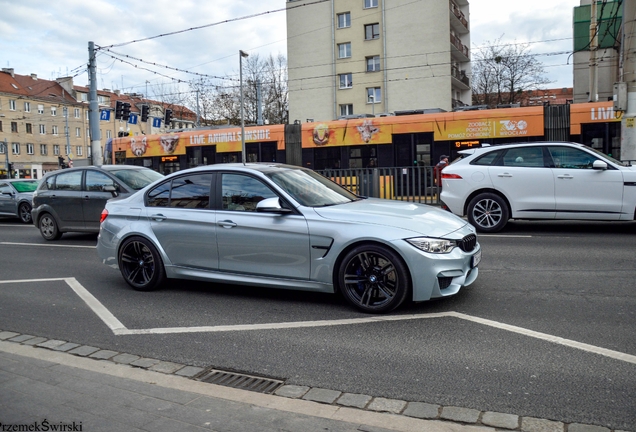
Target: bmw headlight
x=432 y=245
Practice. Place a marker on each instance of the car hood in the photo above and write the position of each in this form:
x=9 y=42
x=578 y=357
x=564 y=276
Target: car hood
x=421 y=219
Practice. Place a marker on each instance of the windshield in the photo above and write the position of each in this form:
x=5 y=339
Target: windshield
x=137 y=179
x=610 y=158
x=25 y=186
x=310 y=188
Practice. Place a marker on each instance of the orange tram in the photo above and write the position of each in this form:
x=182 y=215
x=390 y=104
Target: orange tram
x=392 y=141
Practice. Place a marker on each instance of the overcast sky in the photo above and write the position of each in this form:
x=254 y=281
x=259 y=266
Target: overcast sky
x=50 y=38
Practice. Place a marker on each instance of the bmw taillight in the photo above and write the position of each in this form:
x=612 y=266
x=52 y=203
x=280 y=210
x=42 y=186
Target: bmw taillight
x=451 y=176
x=104 y=216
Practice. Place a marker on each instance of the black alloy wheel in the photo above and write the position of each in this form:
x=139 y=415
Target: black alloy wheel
x=48 y=227
x=24 y=212
x=140 y=264
x=374 y=279
x=488 y=213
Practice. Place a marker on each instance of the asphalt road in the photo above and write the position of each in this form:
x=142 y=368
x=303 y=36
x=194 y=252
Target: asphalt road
x=546 y=331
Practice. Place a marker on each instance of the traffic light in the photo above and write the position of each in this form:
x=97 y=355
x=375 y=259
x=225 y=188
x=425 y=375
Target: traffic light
x=10 y=166
x=61 y=163
x=119 y=110
x=145 y=110
x=125 y=115
x=168 y=117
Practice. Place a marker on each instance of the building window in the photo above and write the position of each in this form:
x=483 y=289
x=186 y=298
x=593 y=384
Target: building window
x=373 y=64
x=88 y=151
x=54 y=130
x=374 y=95
x=56 y=149
x=108 y=134
x=87 y=115
x=2 y=149
x=344 y=50
x=78 y=132
x=11 y=104
x=53 y=111
x=344 y=20
x=84 y=97
x=77 y=113
x=346 y=109
x=29 y=128
x=370 y=4
x=372 y=31
x=42 y=129
x=14 y=127
x=30 y=149
x=79 y=151
x=43 y=149
x=68 y=149
x=346 y=81
x=27 y=107
x=40 y=109
x=0 y=125
x=15 y=148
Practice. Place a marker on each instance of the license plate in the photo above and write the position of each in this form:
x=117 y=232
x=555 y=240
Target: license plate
x=475 y=259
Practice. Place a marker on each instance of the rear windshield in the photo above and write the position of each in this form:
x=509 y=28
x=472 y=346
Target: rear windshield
x=25 y=186
x=137 y=179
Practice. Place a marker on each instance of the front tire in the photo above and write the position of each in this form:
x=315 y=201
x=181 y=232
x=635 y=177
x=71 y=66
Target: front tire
x=24 y=212
x=488 y=213
x=48 y=227
x=141 y=265
x=374 y=279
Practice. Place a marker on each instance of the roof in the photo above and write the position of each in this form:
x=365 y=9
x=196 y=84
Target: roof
x=32 y=87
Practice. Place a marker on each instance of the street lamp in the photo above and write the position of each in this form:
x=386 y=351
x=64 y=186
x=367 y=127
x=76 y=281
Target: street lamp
x=241 y=55
x=372 y=97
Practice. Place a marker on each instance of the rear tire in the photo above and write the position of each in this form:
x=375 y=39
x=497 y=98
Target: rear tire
x=24 y=212
x=488 y=213
x=48 y=227
x=140 y=264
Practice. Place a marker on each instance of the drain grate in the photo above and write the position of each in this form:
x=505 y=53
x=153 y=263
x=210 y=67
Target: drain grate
x=240 y=381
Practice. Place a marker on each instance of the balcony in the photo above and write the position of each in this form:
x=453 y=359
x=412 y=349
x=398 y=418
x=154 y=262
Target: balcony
x=460 y=79
x=458 y=19
x=458 y=49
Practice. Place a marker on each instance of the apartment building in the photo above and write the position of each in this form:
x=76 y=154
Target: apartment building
x=369 y=57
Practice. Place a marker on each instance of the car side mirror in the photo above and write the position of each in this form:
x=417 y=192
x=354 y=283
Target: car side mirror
x=271 y=205
x=112 y=189
x=599 y=165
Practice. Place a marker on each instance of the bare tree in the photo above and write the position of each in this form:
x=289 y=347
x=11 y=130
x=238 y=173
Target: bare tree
x=502 y=72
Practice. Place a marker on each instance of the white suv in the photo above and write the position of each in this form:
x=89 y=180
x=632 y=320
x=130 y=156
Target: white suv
x=540 y=180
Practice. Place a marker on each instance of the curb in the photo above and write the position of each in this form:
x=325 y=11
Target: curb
x=419 y=410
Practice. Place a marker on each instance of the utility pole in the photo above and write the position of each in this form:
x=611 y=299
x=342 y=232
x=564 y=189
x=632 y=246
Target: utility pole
x=593 y=48
x=93 y=115
x=628 y=126
x=6 y=153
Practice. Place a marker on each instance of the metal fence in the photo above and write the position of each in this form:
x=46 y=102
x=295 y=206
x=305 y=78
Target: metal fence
x=414 y=184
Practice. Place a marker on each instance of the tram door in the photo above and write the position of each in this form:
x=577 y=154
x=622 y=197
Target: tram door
x=260 y=152
x=604 y=137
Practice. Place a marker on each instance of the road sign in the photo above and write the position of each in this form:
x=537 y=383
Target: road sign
x=133 y=119
x=156 y=122
x=104 y=115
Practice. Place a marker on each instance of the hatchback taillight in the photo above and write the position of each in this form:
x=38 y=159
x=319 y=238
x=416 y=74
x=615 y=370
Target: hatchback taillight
x=104 y=216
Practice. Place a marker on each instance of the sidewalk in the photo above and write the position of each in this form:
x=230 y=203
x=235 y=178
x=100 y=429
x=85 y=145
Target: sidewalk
x=42 y=389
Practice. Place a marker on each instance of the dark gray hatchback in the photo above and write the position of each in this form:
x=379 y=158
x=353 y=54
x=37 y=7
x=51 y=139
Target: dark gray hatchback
x=73 y=199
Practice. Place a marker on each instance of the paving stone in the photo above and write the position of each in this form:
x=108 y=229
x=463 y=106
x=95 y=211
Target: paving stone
x=166 y=367
x=52 y=343
x=21 y=338
x=104 y=354
x=422 y=410
x=292 y=391
x=34 y=341
x=84 y=350
x=189 y=371
x=500 y=420
x=125 y=358
x=4 y=335
x=322 y=395
x=465 y=415
x=354 y=400
x=576 y=427
x=66 y=347
x=145 y=362
x=387 y=405
x=531 y=424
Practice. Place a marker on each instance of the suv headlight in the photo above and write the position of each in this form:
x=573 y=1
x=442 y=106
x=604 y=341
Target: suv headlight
x=432 y=245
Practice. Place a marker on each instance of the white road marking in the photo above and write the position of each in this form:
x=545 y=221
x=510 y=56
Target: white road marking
x=47 y=244
x=119 y=329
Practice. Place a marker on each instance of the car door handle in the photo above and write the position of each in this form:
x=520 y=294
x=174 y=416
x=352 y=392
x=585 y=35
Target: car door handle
x=226 y=224
x=158 y=217
x=565 y=176
x=504 y=175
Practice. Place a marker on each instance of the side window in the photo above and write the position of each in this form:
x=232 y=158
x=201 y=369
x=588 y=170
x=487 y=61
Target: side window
x=4 y=188
x=70 y=181
x=95 y=181
x=488 y=158
x=191 y=192
x=571 y=158
x=524 y=157
x=242 y=193
x=159 y=196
